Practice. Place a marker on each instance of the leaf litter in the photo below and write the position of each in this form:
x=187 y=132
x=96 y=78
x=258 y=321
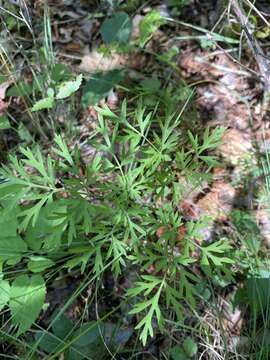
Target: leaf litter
x=225 y=97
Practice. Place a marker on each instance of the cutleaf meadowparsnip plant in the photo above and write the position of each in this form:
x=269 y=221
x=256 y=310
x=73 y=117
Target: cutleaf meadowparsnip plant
x=110 y=211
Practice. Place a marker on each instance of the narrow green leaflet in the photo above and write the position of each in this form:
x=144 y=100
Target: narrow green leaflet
x=68 y=88
x=46 y=103
x=27 y=296
x=146 y=322
x=35 y=159
x=31 y=214
x=82 y=259
x=63 y=149
x=212 y=259
x=187 y=289
x=4 y=293
x=212 y=252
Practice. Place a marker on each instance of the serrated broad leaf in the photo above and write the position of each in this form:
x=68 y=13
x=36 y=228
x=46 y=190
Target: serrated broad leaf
x=99 y=86
x=68 y=88
x=27 y=296
x=4 y=293
x=116 y=29
x=12 y=247
x=4 y=123
x=46 y=103
x=38 y=264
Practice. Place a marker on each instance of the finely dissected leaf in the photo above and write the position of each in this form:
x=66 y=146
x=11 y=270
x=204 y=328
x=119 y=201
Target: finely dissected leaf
x=146 y=322
x=99 y=86
x=68 y=88
x=46 y=227
x=149 y=24
x=63 y=149
x=152 y=304
x=211 y=253
x=46 y=103
x=116 y=29
x=187 y=289
x=12 y=247
x=31 y=214
x=27 y=296
x=39 y=264
x=82 y=259
x=117 y=250
x=37 y=161
x=4 y=293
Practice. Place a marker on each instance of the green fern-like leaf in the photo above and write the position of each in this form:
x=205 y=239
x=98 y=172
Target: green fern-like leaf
x=151 y=305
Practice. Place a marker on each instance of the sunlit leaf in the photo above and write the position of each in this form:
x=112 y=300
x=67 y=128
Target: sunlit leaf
x=27 y=296
x=68 y=88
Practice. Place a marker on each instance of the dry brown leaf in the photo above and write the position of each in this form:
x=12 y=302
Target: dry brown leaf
x=263 y=221
x=3 y=88
x=190 y=64
x=96 y=61
x=3 y=106
x=135 y=27
x=218 y=202
x=236 y=145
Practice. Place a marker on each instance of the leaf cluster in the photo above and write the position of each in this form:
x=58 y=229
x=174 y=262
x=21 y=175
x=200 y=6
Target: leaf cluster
x=107 y=213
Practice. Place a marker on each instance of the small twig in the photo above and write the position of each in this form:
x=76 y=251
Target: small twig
x=259 y=13
x=255 y=47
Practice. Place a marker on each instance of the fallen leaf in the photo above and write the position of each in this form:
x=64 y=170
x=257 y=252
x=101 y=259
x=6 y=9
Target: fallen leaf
x=160 y=231
x=135 y=34
x=96 y=62
x=218 y=202
x=3 y=88
x=236 y=146
x=189 y=210
x=263 y=221
x=3 y=106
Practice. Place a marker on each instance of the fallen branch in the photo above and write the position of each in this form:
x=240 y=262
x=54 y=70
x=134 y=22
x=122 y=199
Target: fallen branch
x=255 y=47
